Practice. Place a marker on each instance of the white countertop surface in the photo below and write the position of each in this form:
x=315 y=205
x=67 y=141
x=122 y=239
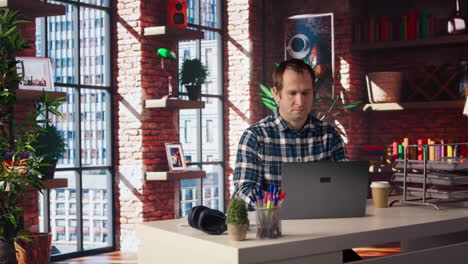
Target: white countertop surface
x=325 y=235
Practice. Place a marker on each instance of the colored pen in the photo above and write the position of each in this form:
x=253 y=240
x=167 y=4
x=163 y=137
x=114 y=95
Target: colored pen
x=252 y=199
x=282 y=195
x=265 y=198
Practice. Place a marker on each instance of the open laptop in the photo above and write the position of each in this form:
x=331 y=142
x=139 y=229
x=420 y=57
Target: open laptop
x=324 y=189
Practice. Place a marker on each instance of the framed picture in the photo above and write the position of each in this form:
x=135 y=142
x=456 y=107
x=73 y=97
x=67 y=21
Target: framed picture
x=175 y=157
x=36 y=72
x=310 y=38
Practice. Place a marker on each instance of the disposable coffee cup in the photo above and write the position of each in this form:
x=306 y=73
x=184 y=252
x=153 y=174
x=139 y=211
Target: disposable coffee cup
x=380 y=191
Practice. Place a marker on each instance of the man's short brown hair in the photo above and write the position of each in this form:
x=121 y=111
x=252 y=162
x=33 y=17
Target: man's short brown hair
x=296 y=65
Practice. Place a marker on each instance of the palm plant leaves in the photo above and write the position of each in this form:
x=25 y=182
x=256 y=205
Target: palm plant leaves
x=269 y=101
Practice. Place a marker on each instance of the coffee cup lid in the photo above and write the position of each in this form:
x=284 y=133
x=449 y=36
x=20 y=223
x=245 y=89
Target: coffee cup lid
x=380 y=184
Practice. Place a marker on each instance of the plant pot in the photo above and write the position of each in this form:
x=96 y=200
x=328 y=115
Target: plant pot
x=194 y=92
x=237 y=232
x=48 y=171
x=18 y=166
x=37 y=252
x=384 y=87
x=7 y=252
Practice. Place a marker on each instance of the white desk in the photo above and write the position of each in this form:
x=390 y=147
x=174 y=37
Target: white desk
x=315 y=241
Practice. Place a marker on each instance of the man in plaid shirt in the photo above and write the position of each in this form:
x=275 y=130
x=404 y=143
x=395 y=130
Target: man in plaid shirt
x=291 y=134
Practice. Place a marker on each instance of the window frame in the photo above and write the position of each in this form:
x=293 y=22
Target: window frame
x=199 y=112
x=78 y=169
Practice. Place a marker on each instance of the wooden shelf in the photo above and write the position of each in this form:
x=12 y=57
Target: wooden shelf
x=173 y=176
x=174 y=103
x=34 y=8
x=414 y=105
x=23 y=95
x=50 y=184
x=55 y=183
x=173 y=32
x=442 y=40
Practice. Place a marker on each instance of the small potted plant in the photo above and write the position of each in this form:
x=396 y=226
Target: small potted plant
x=237 y=220
x=49 y=143
x=192 y=75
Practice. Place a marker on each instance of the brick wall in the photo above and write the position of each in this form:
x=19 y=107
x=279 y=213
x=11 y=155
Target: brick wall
x=250 y=50
x=266 y=29
x=140 y=134
x=243 y=69
x=360 y=128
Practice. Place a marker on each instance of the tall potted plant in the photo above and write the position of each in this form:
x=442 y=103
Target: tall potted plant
x=192 y=75
x=19 y=163
x=10 y=213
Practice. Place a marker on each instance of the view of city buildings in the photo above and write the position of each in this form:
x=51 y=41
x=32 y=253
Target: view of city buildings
x=200 y=131
x=78 y=46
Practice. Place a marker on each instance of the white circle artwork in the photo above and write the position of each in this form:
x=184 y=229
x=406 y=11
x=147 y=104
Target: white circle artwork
x=299 y=54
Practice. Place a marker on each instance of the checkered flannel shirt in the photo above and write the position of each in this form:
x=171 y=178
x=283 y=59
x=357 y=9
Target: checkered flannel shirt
x=265 y=146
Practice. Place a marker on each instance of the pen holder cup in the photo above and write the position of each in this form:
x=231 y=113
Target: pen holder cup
x=268 y=223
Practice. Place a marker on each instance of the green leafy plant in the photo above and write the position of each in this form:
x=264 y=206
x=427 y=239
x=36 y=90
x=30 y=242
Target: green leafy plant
x=237 y=212
x=50 y=143
x=10 y=43
x=18 y=171
x=192 y=72
x=269 y=101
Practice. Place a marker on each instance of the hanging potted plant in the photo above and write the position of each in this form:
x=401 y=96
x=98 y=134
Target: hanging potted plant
x=192 y=75
x=50 y=142
x=50 y=145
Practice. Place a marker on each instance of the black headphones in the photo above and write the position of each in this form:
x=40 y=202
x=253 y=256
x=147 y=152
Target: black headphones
x=207 y=220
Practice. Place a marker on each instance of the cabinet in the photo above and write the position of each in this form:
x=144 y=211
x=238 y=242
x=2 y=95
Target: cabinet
x=176 y=34
x=436 y=49
x=436 y=178
x=34 y=8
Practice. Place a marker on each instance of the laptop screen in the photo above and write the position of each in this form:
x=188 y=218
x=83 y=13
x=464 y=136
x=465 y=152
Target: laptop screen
x=324 y=189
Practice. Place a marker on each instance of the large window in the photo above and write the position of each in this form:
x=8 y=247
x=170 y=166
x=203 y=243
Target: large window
x=78 y=43
x=201 y=131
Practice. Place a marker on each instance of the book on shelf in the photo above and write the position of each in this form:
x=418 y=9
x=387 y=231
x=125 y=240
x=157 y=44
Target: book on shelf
x=395 y=150
x=396 y=29
x=400 y=151
x=425 y=17
x=432 y=152
x=463 y=150
x=384 y=28
x=404 y=28
x=421 y=149
x=411 y=26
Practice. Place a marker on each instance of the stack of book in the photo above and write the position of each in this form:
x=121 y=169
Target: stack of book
x=431 y=149
x=413 y=25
